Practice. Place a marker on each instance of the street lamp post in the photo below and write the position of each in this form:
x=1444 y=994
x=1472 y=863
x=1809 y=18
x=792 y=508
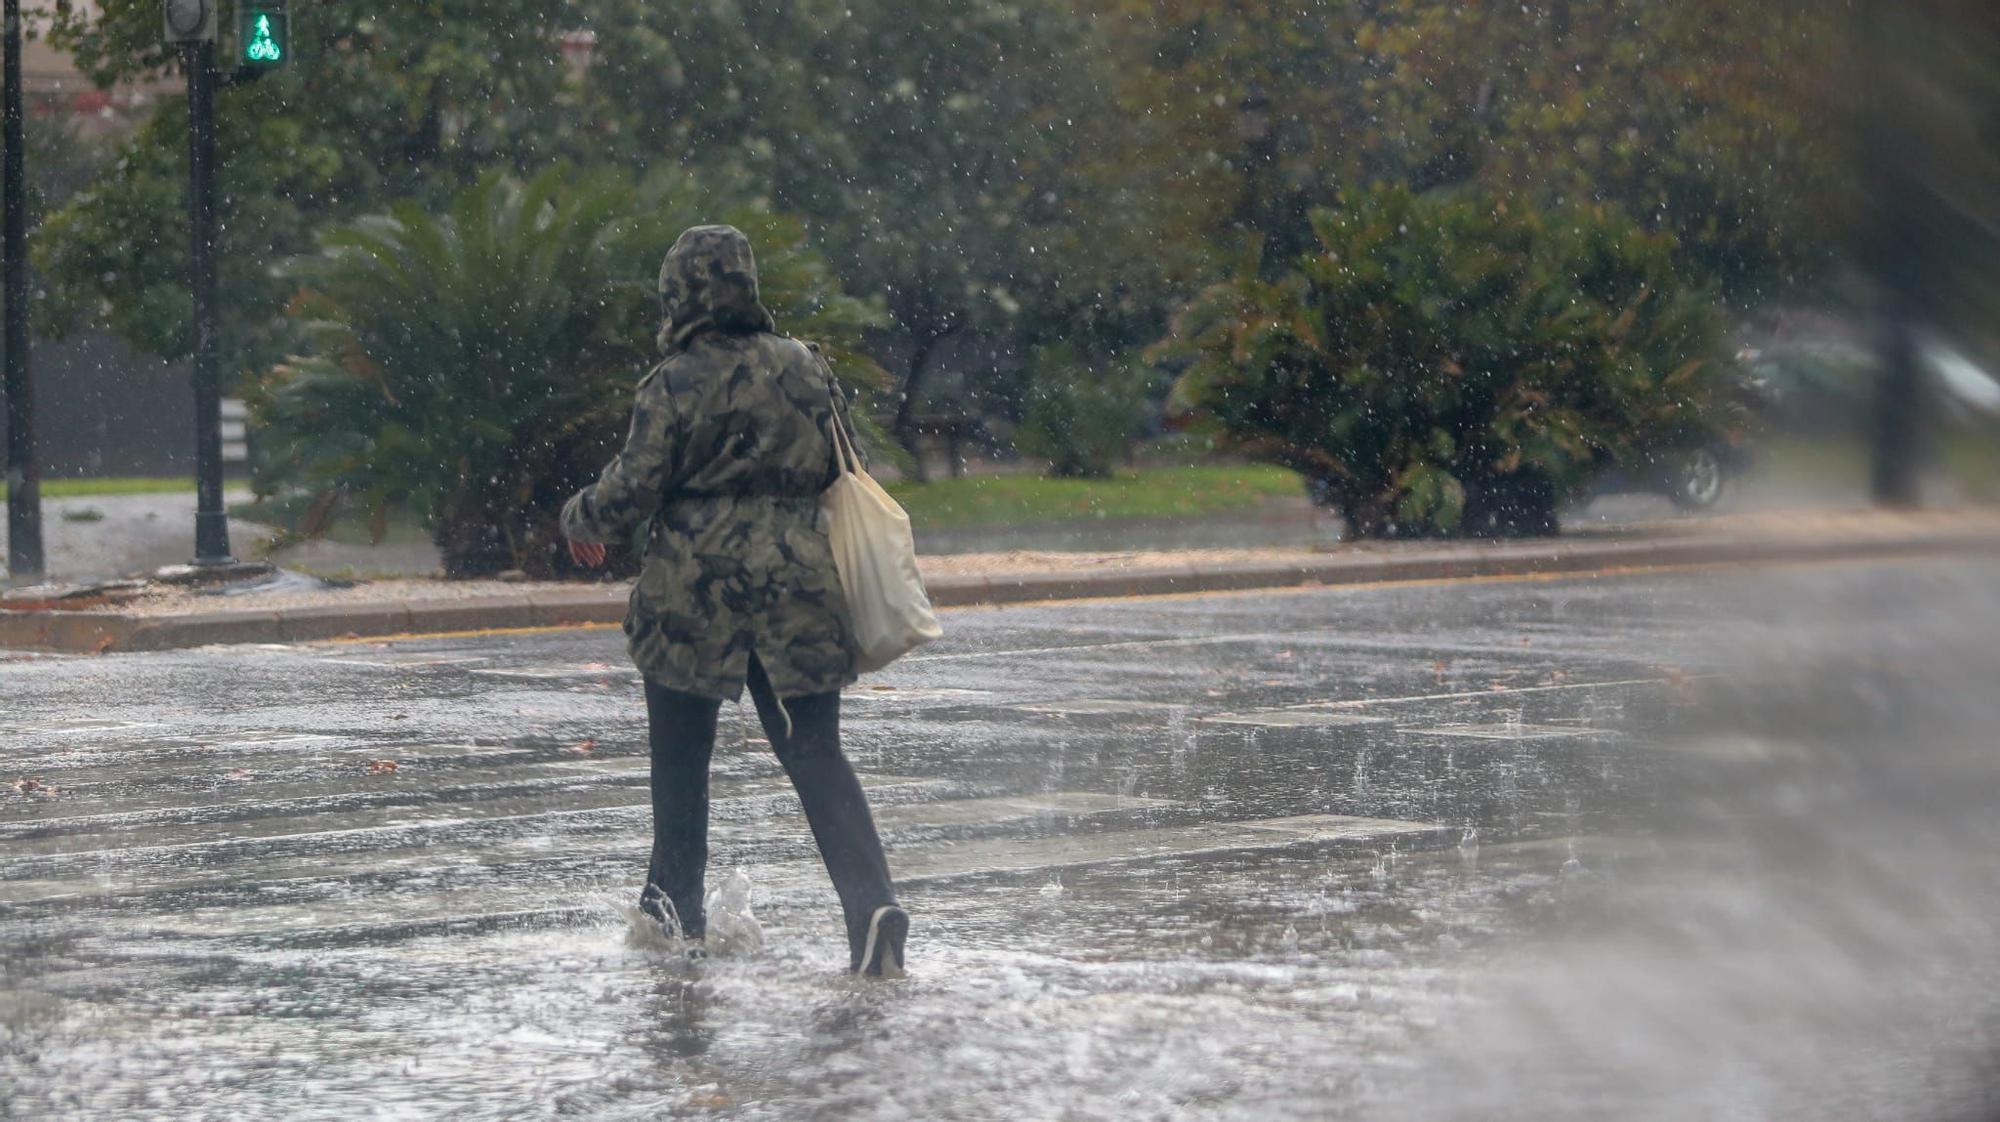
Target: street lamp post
x=192 y=25
x=24 y=478
x=211 y=520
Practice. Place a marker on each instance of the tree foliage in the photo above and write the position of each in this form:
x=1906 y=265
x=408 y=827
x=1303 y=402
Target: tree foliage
x=1704 y=118
x=941 y=154
x=1041 y=172
x=473 y=363
x=1081 y=416
x=943 y=151
x=381 y=102
x=931 y=145
x=1452 y=364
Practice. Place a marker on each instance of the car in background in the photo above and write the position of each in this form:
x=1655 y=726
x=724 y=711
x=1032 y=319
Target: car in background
x=1695 y=478
x=1968 y=391
x=1695 y=473
x=1817 y=375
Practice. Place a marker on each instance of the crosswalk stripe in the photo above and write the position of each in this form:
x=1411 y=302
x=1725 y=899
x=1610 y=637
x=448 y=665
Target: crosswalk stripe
x=1074 y=851
x=398 y=915
x=268 y=835
x=629 y=845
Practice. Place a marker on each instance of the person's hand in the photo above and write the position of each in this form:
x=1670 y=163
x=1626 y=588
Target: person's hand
x=587 y=554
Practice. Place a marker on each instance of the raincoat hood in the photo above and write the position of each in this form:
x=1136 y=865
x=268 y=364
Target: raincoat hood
x=708 y=281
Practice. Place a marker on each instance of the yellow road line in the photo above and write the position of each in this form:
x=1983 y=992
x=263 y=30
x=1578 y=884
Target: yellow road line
x=406 y=636
x=1489 y=578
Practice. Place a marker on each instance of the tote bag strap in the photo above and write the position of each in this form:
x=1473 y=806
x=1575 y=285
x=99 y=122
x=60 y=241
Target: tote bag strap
x=843 y=442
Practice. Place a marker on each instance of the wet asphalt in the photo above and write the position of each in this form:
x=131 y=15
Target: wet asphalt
x=1455 y=850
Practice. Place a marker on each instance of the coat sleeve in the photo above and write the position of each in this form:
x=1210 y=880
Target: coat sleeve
x=633 y=484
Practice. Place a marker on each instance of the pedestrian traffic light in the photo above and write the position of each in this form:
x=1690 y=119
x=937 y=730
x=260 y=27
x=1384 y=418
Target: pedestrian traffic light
x=266 y=36
x=190 y=21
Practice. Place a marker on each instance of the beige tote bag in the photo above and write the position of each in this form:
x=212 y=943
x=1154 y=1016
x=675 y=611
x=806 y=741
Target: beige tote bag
x=877 y=559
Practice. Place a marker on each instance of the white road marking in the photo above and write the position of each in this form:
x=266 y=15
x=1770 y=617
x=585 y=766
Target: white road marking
x=1293 y=719
x=82 y=726
x=1070 y=851
x=560 y=673
x=1092 y=706
x=1510 y=732
x=384 y=822
x=1504 y=691
x=406 y=661
x=913 y=693
x=420 y=856
x=1077 y=648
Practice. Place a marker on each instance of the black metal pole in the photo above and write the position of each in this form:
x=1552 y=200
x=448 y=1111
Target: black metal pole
x=211 y=520
x=1896 y=426
x=24 y=476
x=1899 y=232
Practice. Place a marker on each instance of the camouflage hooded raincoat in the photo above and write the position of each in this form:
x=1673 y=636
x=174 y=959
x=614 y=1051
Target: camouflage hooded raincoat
x=730 y=447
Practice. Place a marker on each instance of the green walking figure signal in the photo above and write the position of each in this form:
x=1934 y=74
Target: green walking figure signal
x=266 y=36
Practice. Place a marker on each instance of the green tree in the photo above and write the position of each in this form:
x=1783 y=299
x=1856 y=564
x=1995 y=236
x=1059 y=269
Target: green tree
x=380 y=102
x=1703 y=118
x=1451 y=364
x=943 y=151
x=1081 y=416
x=474 y=363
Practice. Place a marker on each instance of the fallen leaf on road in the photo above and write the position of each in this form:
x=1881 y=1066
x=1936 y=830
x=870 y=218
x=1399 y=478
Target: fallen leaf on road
x=1687 y=688
x=583 y=746
x=381 y=767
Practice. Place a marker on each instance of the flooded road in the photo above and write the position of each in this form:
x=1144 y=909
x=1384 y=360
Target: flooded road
x=1706 y=844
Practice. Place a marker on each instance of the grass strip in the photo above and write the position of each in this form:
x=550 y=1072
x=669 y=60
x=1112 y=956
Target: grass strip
x=1169 y=492
x=113 y=485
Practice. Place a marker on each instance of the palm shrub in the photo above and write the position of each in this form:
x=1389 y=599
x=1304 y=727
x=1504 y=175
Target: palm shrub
x=1080 y=416
x=1445 y=364
x=475 y=365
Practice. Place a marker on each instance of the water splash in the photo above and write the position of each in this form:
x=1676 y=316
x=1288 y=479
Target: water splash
x=1468 y=848
x=733 y=928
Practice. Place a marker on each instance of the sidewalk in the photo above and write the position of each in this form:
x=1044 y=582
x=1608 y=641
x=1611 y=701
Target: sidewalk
x=161 y=618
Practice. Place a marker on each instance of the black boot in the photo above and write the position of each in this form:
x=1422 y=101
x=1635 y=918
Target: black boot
x=880 y=954
x=681 y=925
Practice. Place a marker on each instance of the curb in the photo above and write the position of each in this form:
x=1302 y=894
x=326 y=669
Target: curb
x=102 y=632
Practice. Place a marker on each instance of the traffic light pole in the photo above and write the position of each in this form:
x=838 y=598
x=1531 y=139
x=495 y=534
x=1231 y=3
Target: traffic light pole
x=211 y=520
x=24 y=477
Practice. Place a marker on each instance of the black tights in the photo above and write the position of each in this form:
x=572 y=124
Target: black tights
x=808 y=745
